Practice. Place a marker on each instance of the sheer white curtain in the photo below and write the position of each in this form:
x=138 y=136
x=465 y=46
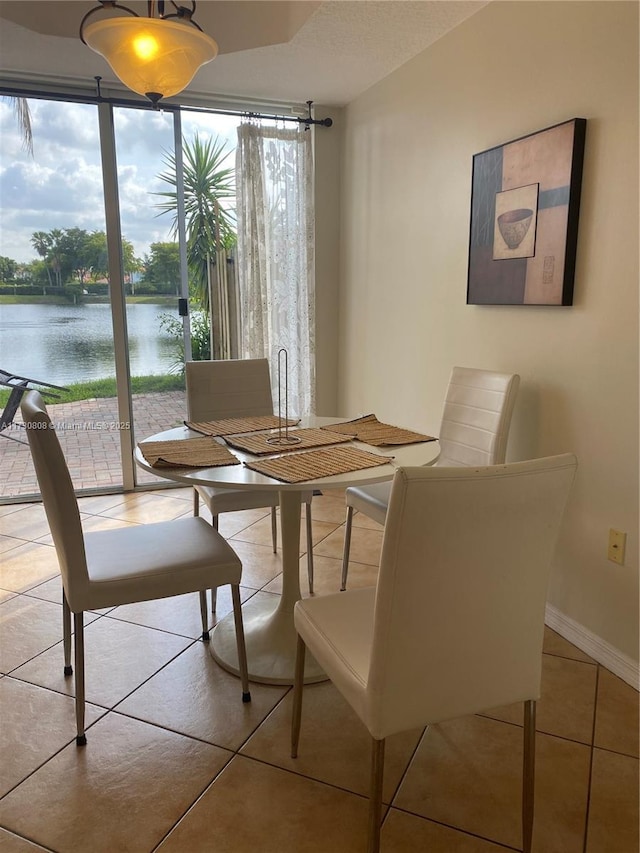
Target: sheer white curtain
x=275 y=257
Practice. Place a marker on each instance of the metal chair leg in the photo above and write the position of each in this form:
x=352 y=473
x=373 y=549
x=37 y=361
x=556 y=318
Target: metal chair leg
x=204 y=615
x=347 y=548
x=66 y=635
x=214 y=590
x=242 y=649
x=298 y=685
x=196 y=502
x=78 y=627
x=309 y=548
x=375 y=796
x=528 y=774
x=274 y=529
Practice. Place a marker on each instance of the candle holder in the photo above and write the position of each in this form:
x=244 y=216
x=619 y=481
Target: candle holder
x=283 y=437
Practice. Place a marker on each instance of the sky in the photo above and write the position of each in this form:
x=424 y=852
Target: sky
x=61 y=185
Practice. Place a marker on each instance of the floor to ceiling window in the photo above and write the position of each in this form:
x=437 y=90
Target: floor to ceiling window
x=119 y=215
x=57 y=316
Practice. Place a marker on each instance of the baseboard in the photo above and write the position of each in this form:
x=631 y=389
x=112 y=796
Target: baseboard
x=615 y=661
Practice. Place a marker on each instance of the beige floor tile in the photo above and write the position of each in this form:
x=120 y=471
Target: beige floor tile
x=467 y=774
x=335 y=747
x=51 y=590
x=9 y=509
x=554 y=644
x=27 y=627
x=10 y=843
x=328 y=507
x=36 y=723
x=196 y=697
x=360 y=519
x=567 y=704
x=405 y=833
x=5 y=595
x=259 y=564
x=613 y=807
x=97 y=504
x=28 y=522
x=179 y=614
x=254 y=807
x=365 y=546
x=260 y=533
x=118 y=658
x=232 y=523
x=27 y=566
x=123 y=791
x=7 y=543
x=327 y=576
x=147 y=509
x=617 y=721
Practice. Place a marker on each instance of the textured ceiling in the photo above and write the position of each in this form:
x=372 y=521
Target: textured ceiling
x=328 y=52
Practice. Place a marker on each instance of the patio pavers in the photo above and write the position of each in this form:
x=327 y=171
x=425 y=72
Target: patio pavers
x=89 y=435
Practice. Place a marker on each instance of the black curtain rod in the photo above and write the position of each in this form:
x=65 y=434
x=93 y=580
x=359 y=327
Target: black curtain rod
x=14 y=91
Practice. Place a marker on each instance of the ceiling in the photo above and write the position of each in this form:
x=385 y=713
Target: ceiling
x=286 y=50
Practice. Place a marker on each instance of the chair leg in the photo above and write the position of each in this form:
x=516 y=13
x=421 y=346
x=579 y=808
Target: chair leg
x=66 y=635
x=196 y=502
x=242 y=649
x=214 y=590
x=204 y=615
x=298 y=685
x=528 y=774
x=375 y=796
x=78 y=627
x=274 y=529
x=309 y=548
x=347 y=548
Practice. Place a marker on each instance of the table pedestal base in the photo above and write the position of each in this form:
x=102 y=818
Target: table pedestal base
x=271 y=640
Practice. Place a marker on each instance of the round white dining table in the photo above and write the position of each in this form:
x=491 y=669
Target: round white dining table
x=268 y=618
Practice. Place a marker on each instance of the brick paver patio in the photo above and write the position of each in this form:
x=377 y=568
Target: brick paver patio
x=89 y=434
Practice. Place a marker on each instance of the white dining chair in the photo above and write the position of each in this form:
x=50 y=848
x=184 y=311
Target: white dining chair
x=474 y=431
x=236 y=388
x=455 y=624
x=107 y=568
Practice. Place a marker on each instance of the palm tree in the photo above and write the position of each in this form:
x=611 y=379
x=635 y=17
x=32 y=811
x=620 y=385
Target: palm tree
x=23 y=114
x=209 y=224
x=42 y=243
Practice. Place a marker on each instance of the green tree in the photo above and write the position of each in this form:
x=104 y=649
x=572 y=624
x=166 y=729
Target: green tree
x=210 y=220
x=8 y=269
x=41 y=242
x=162 y=268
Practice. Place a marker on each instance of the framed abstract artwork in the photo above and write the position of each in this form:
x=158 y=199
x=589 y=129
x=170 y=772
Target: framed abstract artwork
x=525 y=199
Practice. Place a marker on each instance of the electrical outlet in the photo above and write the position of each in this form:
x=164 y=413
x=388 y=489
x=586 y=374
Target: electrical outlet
x=617 y=543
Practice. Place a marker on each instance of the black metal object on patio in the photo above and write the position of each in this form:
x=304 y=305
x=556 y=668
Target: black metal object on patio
x=18 y=385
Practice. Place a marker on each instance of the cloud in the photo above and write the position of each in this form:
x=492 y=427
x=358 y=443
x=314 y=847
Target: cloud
x=61 y=186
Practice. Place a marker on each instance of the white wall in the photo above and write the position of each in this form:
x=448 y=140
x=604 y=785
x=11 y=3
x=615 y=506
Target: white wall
x=512 y=69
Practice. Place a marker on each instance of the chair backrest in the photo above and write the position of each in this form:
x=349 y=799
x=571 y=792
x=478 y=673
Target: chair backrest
x=476 y=417
x=58 y=495
x=228 y=389
x=460 y=601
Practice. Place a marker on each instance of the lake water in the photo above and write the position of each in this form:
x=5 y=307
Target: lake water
x=74 y=343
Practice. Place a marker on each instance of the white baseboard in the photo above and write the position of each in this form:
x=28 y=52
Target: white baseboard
x=615 y=661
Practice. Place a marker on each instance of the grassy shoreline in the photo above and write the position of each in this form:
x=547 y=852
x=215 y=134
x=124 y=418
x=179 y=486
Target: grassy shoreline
x=99 y=388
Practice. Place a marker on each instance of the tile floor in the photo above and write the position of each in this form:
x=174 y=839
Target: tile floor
x=175 y=763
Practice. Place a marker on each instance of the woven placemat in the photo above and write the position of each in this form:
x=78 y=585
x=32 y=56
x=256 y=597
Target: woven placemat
x=297 y=467
x=187 y=453
x=260 y=446
x=231 y=426
x=370 y=430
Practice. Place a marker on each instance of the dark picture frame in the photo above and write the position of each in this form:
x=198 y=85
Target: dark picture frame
x=525 y=203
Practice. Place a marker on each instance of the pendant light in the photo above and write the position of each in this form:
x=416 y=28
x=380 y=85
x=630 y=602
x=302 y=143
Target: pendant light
x=154 y=56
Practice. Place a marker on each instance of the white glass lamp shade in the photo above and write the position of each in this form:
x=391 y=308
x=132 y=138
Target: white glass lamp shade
x=153 y=57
